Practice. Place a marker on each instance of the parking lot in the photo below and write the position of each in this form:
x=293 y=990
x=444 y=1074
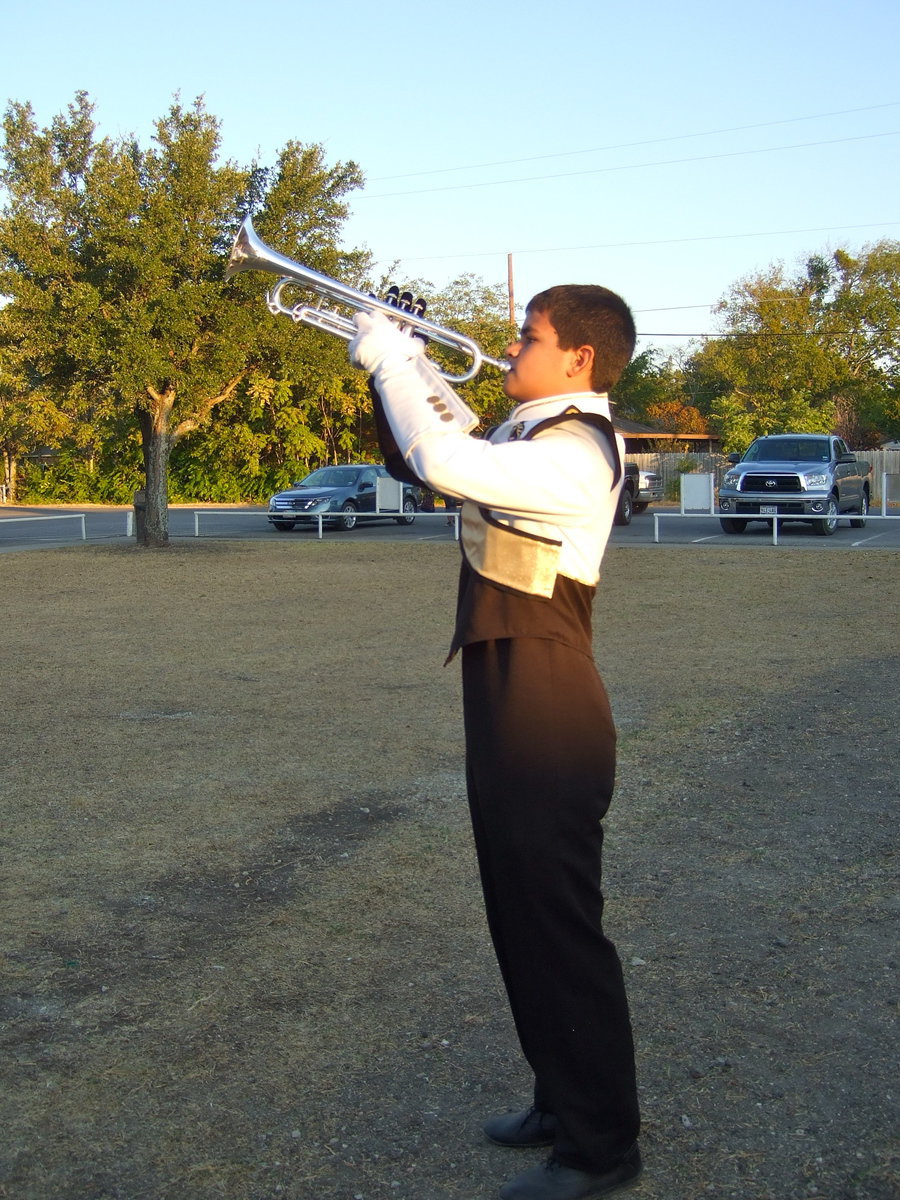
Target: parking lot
x=62 y=526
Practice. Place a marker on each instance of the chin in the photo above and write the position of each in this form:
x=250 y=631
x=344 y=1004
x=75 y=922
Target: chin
x=511 y=389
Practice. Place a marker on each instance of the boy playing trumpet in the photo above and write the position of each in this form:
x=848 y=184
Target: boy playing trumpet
x=539 y=495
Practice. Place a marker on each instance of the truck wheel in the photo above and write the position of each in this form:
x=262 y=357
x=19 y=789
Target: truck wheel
x=859 y=521
x=829 y=523
x=625 y=509
x=731 y=525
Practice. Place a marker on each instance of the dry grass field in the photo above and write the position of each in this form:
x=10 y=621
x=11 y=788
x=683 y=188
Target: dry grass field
x=243 y=950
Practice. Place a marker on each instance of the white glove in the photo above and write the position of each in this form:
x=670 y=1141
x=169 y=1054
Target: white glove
x=379 y=340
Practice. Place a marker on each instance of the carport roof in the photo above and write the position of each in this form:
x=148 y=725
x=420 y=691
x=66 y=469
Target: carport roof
x=634 y=429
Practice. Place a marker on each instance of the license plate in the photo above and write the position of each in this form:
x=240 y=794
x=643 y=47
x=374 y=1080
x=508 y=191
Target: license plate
x=768 y=510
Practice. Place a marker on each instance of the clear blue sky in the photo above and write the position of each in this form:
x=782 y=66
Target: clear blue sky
x=663 y=150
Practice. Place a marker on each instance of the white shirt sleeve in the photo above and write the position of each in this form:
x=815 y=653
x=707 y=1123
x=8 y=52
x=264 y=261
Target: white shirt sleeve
x=561 y=476
x=557 y=477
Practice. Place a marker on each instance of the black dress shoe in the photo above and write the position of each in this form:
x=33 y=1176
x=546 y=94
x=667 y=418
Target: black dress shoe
x=554 y=1181
x=522 y=1130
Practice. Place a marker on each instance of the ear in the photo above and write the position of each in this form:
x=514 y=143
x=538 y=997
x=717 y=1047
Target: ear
x=582 y=361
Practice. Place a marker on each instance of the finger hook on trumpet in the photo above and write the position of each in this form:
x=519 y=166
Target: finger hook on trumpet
x=250 y=253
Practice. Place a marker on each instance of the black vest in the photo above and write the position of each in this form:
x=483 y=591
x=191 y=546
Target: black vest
x=486 y=610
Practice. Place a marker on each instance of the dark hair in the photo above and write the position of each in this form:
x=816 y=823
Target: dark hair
x=584 y=314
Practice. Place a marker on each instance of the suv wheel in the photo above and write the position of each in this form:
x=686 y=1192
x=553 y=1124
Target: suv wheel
x=731 y=525
x=348 y=516
x=283 y=526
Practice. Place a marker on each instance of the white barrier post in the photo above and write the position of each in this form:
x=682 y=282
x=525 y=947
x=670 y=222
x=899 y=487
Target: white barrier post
x=388 y=495
x=697 y=493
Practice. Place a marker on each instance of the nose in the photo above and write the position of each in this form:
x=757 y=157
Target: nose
x=512 y=350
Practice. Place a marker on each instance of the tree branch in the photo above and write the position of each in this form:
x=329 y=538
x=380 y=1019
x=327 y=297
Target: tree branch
x=192 y=423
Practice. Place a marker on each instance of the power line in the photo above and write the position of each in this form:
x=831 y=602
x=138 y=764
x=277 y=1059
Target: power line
x=756 y=333
x=673 y=308
x=507 y=162
x=669 y=162
x=712 y=237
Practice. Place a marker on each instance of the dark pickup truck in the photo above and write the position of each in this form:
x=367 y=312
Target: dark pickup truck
x=639 y=489
x=795 y=476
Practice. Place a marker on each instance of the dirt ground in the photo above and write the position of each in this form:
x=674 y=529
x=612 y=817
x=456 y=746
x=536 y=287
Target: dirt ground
x=243 y=948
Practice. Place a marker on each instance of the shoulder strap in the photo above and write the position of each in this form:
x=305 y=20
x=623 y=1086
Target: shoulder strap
x=588 y=418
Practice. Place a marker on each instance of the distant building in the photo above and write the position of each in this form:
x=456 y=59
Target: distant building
x=644 y=439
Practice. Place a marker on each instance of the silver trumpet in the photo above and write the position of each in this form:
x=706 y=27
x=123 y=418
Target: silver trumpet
x=250 y=253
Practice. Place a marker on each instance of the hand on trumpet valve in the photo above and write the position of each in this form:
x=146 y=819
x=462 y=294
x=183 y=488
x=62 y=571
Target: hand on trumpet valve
x=405 y=303
x=379 y=339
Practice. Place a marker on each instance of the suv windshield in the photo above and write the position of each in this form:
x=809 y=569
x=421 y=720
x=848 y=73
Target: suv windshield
x=788 y=450
x=330 y=477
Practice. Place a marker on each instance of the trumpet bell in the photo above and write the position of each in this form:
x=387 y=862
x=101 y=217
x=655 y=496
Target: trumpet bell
x=249 y=252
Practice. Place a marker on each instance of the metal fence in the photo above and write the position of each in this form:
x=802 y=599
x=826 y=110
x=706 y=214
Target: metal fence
x=672 y=466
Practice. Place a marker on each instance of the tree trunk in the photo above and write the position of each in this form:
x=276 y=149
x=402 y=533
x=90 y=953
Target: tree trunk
x=156 y=440
x=11 y=473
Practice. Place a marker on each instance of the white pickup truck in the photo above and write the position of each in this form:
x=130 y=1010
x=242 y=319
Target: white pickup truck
x=795 y=476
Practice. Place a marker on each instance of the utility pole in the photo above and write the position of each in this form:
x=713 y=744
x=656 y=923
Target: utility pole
x=510 y=290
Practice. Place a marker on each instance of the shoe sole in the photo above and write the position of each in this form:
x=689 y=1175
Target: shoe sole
x=543 y=1143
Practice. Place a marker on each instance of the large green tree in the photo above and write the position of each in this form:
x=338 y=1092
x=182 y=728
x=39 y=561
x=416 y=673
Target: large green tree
x=29 y=419
x=113 y=259
x=813 y=352
x=657 y=390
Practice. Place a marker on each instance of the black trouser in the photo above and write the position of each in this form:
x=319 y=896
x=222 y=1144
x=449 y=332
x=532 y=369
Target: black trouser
x=540 y=760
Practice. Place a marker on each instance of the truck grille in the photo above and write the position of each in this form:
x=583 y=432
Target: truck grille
x=762 y=483
x=750 y=507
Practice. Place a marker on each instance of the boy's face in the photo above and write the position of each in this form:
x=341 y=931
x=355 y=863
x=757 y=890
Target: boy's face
x=539 y=368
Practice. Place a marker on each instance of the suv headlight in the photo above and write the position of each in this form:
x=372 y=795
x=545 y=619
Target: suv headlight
x=815 y=481
x=731 y=480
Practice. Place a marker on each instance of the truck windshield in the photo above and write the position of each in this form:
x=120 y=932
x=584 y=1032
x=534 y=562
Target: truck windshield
x=788 y=450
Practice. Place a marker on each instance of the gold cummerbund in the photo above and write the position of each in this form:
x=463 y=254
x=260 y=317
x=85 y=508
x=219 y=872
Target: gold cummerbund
x=510 y=557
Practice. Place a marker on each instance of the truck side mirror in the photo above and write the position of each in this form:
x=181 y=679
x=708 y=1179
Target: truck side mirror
x=734 y=458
